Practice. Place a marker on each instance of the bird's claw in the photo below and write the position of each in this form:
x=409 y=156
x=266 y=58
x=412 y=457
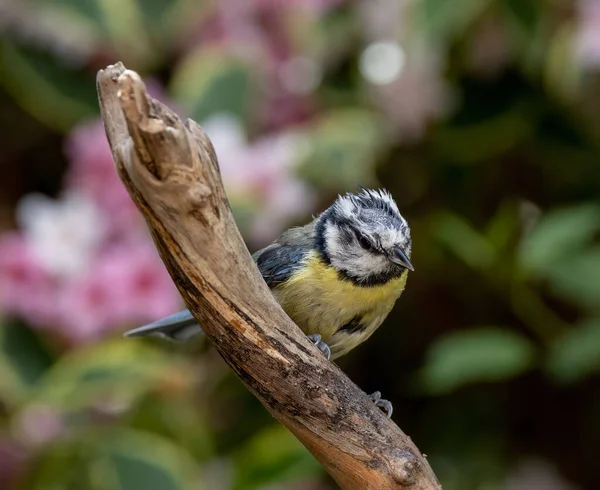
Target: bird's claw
x=385 y=405
x=315 y=338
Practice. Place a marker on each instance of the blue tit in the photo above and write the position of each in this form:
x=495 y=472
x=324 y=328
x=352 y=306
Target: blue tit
x=337 y=278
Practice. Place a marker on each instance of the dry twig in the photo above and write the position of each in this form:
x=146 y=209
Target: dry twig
x=171 y=171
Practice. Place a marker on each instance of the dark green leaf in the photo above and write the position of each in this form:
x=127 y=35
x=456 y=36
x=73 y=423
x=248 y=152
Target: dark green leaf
x=114 y=459
x=51 y=92
x=121 y=371
x=557 y=237
x=445 y=19
x=273 y=455
x=208 y=82
x=479 y=355
x=23 y=360
x=464 y=241
x=577 y=353
x=577 y=277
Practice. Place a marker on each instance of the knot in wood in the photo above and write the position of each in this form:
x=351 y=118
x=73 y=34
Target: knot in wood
x=404 y=468
x=198 y=195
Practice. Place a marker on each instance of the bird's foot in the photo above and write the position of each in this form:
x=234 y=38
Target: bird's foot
x=315 y=338
x=385 y=405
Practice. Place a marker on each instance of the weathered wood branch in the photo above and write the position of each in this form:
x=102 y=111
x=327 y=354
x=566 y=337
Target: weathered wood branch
x=170 y=169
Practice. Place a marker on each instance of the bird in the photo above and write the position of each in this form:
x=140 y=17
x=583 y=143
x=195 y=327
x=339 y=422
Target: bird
x=337 y=277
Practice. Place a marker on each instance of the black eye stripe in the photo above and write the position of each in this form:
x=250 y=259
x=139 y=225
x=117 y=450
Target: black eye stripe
x=363 y=240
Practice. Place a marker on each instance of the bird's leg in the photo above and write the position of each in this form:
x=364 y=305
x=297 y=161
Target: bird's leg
x=385 y=405
x=315 y=338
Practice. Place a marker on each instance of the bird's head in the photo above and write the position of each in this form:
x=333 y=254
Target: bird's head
x=364 y=237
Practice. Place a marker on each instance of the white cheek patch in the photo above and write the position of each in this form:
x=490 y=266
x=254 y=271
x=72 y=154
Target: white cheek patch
x=334 y=245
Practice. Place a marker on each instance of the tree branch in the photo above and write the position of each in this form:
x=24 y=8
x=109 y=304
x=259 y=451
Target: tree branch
x=170 y=170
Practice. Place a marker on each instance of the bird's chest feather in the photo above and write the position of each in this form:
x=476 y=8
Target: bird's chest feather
x=344 y=314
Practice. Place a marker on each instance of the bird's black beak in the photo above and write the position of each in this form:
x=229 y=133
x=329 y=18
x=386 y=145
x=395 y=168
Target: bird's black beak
x=399 y=257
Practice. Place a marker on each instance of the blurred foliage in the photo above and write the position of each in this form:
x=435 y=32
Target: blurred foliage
x=474 y=356
x=482 y=119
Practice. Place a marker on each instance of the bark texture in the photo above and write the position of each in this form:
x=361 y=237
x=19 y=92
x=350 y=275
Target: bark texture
x=171 y=172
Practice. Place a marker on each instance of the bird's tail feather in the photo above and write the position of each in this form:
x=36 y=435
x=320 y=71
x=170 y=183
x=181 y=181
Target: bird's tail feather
x=179 y=327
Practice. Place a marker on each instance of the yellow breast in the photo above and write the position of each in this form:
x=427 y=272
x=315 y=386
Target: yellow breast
x=319 y=301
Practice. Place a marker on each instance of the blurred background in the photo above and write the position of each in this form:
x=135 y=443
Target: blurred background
x=482 y=117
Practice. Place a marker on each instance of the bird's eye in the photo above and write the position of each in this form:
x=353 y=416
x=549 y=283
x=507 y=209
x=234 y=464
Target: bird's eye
x=364 y=241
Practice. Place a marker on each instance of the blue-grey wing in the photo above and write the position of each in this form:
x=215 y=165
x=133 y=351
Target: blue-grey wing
x=279 y=261
x=179 y=327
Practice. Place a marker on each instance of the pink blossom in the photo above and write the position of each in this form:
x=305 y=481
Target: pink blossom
x=143 y=281
x=258 y=32
x=38 y=424
x=127 y=285
x=588 y=34
x=26 y=289
x=92 y=172
x=63 y=234
x=416 y=98
x=317 y=6
x=417 y=94
x=261 y=173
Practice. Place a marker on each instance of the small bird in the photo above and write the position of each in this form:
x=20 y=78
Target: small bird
x=337 y=278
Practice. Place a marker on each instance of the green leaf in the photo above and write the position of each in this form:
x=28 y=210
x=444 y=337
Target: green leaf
x=525 y=13
x=164 y=17
x=577 y=277
x=479 y=355
x=488 y=136
x=209 y=82
x=342 y=149
x=99 y=25
x=119 y=370
x=443 y=20
x=557 y=237
x=114 y=459
x=123 y=20
x=464 y=241
x=503 y=228
x=273 y=455
x=23 y=360
x=563 y=72
x=85 y=12
x=51 y=92
x=576 y=354
x=143 y=460
x=173 y=416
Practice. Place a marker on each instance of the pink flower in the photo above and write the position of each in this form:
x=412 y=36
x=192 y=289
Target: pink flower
x=588 y=34
x=416 y=98
x=317 y=6
x=38 y=424
x=127 y=285
x=92 y=173
x=144 y=282
x=26 y=289
x=63 y=234
x=261 y=174
x=258 y=32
